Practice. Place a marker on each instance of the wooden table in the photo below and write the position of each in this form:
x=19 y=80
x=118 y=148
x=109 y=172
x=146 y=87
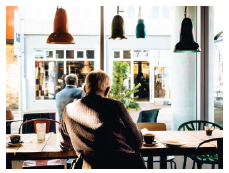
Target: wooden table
x=48 y=149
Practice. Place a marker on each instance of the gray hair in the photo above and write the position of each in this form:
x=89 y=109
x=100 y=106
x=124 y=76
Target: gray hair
x=71 y=79
x=97 y=81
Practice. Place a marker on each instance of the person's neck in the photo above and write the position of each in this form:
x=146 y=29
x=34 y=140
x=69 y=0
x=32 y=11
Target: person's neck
x=99 y=92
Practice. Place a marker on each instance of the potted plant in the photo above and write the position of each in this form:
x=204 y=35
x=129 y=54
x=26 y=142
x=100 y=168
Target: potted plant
x=120 y=92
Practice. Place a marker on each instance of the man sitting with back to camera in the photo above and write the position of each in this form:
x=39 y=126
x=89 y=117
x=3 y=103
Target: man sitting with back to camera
x=98 y=123
x=68 y=94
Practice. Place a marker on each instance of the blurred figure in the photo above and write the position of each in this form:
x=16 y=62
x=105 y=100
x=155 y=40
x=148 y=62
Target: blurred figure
x=68 y=94
x=63 y=81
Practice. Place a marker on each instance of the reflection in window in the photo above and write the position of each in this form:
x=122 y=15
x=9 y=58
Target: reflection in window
x=126 y=54
x=165 y=12
x=47 y=74
x=39 y=54
x=49 y=54
x=116 y=54
x=60 y=54
x=90 y=54
x=70 y=54
x=76 y=67
x=155 y=12
x=79 y=54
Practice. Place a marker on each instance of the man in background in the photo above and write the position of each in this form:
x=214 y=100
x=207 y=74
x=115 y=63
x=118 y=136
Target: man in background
x=68 y=94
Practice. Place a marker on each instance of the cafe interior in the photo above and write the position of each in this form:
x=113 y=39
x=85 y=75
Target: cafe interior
x=166 y=67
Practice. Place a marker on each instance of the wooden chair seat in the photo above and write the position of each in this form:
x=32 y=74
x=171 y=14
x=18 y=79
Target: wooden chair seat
x=43 y=164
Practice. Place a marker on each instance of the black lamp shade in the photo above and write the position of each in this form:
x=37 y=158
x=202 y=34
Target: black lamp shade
x=60 y=33
x=186 y=43
x=117 y=28
x=140 y=29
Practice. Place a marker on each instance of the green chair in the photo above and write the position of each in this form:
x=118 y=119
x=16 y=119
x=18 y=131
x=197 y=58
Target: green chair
x=196 y=125
x=211 y=157
x=148 y=116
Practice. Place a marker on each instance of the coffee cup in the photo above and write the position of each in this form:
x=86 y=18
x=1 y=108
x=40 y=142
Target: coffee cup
x=149 y=138
x=15 y=138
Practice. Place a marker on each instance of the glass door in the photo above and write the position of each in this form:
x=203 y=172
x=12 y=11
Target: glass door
x=142 y=75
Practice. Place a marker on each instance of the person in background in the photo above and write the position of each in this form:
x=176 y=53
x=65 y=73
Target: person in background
x=98 y=123
x=68 y=94
x=63 y=81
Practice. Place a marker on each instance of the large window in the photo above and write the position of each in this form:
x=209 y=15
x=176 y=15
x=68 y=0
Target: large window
x=51 y=65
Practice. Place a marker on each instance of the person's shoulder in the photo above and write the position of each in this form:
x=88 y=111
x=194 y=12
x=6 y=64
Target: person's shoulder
x=114 y=102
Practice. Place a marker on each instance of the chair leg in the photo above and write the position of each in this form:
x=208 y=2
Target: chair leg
x=171 y=165
x=213 y=166
x=175 y=165
x=193 y=166
x=184 y=162
x=199 y=165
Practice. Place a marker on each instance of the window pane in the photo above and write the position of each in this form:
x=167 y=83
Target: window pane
x=126 y=54
x=137 y=54
x=70 y=54
x=59 y=54
x=47 y=74
x=165 y=12
x=39 y=54
x=90 y=54
x=79 y=68
x=79 y=54
x=49 y=54
x=116 y=54
x=155 y=12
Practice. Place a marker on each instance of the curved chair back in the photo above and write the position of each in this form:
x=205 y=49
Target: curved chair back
x=152 y=126
x=211 y=156
x=147 y=116
x=197 y=125
x=35 y=121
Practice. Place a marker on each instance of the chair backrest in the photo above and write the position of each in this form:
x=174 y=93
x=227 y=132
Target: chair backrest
x=152 y=126
x=197 y=125
x=113 y=160
x=212 y=155
x=148 y=116
x=35 y=121
x=29 y=127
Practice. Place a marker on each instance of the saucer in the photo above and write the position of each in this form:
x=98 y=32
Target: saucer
x=149 y=145
x=173 y=143
x=14 y=144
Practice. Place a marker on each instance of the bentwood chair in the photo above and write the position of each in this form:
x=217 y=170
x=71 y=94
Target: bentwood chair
x=157 y=127
x=148 y=116
x=41 y=164
x=193 y=126
x=211 y=157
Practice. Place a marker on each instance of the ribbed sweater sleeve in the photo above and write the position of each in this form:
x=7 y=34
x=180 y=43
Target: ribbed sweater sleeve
x=134 y=136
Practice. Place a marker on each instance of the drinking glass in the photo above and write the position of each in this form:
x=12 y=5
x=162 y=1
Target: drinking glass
x=41 y=131
x=209 y=130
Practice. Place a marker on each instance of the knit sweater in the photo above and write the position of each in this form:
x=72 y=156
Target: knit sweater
x=95 y=123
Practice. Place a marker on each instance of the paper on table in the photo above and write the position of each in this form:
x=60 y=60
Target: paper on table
x=144 y=131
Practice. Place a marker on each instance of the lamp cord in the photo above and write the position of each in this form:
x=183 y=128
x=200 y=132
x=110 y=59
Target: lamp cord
x=139 y=14
x=185 y=12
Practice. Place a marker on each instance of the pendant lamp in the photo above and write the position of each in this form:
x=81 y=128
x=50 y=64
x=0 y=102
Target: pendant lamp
x=117 y=27
x=187 y=43
x=86 y=69
x=140 y=29
x=60 y=33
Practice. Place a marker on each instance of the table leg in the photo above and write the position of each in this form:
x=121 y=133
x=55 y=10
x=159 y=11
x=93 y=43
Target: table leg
x=163 y=162
x=8 y=163
x=150 y=162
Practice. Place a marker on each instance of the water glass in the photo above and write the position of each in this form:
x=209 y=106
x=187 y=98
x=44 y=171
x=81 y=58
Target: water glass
x=41 y=131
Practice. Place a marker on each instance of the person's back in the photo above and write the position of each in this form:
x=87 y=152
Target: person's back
x=97 y=123
x=68 y=94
